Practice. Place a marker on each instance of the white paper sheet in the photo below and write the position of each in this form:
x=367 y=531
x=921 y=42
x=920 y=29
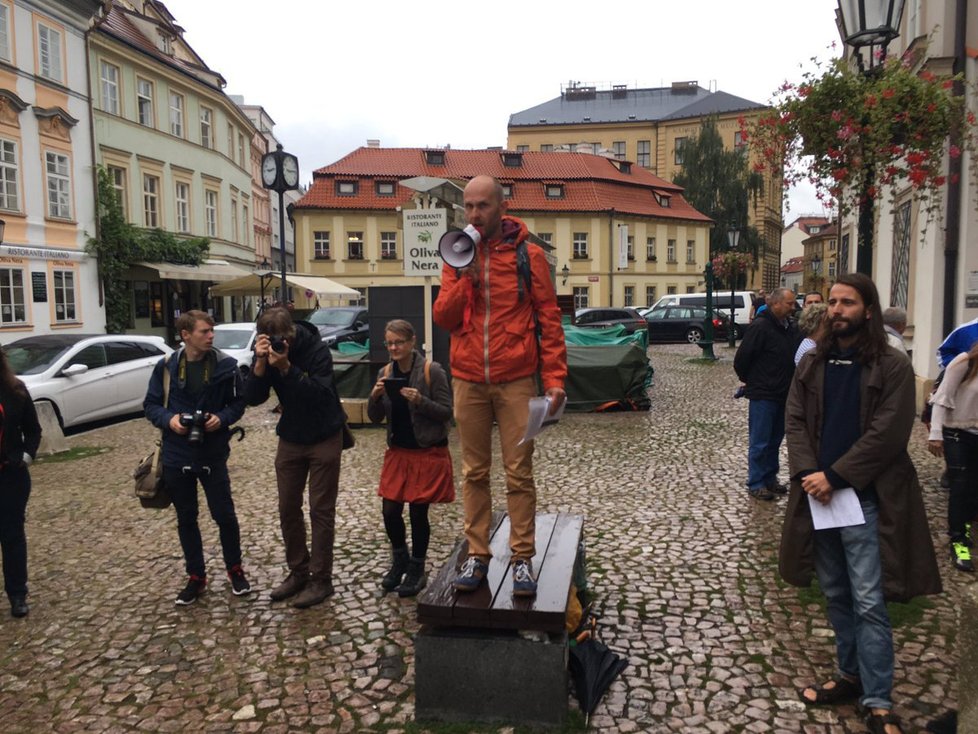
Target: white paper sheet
x=539 y=418
x=842 y=511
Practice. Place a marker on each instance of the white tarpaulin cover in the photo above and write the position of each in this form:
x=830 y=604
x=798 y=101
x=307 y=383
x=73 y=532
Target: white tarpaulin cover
x=251 y=285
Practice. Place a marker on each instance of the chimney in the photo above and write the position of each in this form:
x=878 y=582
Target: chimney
x=373 y=143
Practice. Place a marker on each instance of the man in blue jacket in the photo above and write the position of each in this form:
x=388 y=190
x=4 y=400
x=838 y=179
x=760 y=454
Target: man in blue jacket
x=205 y=398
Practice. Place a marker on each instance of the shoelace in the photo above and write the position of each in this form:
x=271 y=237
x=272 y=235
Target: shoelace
x=521 y=573
x=470 y=566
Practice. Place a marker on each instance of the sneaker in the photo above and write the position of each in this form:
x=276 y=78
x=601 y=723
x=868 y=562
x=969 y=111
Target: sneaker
x=961 y=556
x=761 y=493
x=777 y=488
x=523 y=583
x=191 y=591
x=471 y=574
x=239 y=584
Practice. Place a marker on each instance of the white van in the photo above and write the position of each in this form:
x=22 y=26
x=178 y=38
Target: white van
x=742 y=301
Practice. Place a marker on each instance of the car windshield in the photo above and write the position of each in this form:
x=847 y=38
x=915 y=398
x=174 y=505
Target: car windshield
x=33 y=359
x=232 y=338
x=329 y=317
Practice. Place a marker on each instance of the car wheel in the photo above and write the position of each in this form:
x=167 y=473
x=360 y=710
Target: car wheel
x=694 y=335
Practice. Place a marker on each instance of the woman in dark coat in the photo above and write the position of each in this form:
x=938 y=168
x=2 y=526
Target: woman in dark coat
x=20 y=435
x=417 y=465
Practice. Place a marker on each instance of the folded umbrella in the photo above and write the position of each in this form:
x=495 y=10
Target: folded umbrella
x=593 y=667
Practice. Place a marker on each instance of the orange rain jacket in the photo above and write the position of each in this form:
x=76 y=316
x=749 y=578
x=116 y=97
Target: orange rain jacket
x=493 y=331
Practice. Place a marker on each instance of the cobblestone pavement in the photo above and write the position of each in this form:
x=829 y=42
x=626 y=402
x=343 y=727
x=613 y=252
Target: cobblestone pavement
x=682 y=562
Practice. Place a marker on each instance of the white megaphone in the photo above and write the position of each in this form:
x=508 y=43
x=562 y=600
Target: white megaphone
x=457 y=247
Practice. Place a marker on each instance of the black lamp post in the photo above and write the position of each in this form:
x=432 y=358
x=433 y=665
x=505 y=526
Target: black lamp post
x=733 y=239
x=263 y=272
x=868 y=26
x=564 y=274
x=280 y=173
x=708 y=333
x=816 y=269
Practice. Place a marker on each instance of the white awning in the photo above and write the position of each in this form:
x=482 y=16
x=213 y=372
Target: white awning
x=251 y=285
x=212 y=270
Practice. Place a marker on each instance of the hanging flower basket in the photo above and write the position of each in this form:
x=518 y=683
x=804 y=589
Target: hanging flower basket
x=732 y=263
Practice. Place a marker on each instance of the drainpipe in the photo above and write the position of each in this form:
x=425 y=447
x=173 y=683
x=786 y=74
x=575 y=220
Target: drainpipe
x=612 y=260
x=952 y=233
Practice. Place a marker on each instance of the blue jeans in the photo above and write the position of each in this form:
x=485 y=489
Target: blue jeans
x=847 y=561
x=765 y=432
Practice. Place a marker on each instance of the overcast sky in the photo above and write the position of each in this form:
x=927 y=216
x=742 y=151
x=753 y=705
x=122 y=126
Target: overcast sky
x=333 y=74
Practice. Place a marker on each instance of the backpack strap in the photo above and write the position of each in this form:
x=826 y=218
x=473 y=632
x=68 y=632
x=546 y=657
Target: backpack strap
x=388 y=368
x=523 y=274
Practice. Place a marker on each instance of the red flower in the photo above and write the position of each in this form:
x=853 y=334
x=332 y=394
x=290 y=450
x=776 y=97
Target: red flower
x=954 y=151
x=870 y=101
x=840 y=173
x=917 y=176
x=888 y=93
x=948 y=83
x=916 y=158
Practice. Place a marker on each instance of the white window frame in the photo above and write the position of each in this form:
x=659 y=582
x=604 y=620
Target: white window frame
x=49 y=53
x=671 y=251
x=118 y=176
x=629 y=296
x=354 y=244
x=58 y=184
x=388 y=245
x=650 y=293
x=643 y=154
x=5 y=52
x=650 y=249
x=207 y=127
x=580 y=251
x=234 y=219
x=9 y=302
x=181 y=197
x=9 y=170
x=618 y=148
x=320 y=245
x=245 y=229
x=109 y=78
x=690 y=251
x=241 y=150
x=582 y=296
x=145 y=94
x=210 y=212
x=65 y=297
x=151 y=201
x=176 y=114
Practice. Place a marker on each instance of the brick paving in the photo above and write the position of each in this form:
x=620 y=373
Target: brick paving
x=682 y=563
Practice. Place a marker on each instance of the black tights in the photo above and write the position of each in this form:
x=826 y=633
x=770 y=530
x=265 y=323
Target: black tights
x=420 y=529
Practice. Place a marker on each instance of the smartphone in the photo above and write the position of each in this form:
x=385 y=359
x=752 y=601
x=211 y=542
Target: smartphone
x=393 y=386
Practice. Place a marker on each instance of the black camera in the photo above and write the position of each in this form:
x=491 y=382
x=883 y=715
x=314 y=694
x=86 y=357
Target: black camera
x=195 y=422
x=277 y=343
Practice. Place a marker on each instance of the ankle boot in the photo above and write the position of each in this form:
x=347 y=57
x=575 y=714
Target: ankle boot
x=399 y=564
x=414 y=580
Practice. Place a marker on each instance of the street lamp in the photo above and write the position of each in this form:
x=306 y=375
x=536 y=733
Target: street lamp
x=564 y=274
x=733 y=239
x=869 y=25
x=263 y=271
x=816 y=269
x=280 y=173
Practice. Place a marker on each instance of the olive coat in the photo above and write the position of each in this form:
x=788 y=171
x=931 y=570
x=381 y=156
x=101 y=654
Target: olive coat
x=879 y=458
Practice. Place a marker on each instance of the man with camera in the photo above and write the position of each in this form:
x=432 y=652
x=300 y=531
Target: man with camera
x=291 y=358
x=204 y=398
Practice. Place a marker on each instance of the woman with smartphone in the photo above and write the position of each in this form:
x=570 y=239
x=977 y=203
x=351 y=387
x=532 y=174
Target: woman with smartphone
x=412 y=394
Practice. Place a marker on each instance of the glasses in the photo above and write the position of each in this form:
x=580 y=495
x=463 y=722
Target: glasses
x=396 y=343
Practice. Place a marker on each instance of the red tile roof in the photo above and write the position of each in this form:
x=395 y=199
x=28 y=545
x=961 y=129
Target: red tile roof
x=794 y=265
x=591 y=183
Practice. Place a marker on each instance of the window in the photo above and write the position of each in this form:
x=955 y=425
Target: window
x=650 y=296
x=650 y=249
x=690 y=251
x=677 y=154
x=210 y=212
x=670 y=290
x=9 y=198
x=12 y=308
x=385 y=188
x=59 y=185
x=832 y=269
x=388 y=245
x=176 y=114
x=644 y=155
x=231 y=142
x=522 y=148
x=546 y=148
x=49 y=52
x=580 y=246
x=691 y=289
x=629 y=296
x=5 y=33
x=118 y=176
x=832 y=245
x=183 y=206
x=547 y=237
x=151 y=201
x=435 y=157
x=507 y=190
x=630 y=248
x=580 y=296
x=320 y=244
x=246 y=238
x=241 y=150
x=814 y=230
x=740 y=145
x=144 y=102
x=354 y=245
x=554 y=191
x=618 y=148
x=165 y=43
x=110 y=87
x=671 y=251
x=346 y=188
x=234 y=220
x=206 y=134
x=64 y=295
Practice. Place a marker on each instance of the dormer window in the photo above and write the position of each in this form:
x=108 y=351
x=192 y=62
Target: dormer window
x=814 y=230
x=623 y=166
x=166 y=43
x=385 y=188
x=435 y=157
x=661 y=199
x=512 y=160
x=554 y=191
x=346 y=188
x=507 y=190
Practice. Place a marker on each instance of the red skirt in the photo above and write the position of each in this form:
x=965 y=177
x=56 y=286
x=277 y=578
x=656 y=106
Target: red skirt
x=417 y=475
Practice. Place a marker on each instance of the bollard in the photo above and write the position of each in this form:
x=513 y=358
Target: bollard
x=52 y=437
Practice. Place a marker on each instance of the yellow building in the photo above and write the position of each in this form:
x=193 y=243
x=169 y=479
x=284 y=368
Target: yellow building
x=649 y=127
x=620 y=236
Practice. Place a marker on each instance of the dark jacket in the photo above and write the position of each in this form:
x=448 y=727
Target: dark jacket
x=222 y=396
x=21 y=431
x=765 y=360
x=879 y=458
x=430 y=417
x=311 y=410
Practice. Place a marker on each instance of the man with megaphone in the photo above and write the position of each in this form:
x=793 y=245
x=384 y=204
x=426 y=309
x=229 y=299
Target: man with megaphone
x=505 y=331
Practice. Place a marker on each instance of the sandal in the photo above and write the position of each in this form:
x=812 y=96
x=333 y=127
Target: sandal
x=841 y=690
x=876 y=723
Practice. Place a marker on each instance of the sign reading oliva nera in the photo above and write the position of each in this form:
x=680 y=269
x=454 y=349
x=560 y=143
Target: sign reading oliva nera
x=422 y=230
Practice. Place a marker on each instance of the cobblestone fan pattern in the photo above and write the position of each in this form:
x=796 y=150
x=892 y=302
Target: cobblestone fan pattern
x=682 y=563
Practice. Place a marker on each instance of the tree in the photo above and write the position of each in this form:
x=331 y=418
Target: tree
x=719 y=183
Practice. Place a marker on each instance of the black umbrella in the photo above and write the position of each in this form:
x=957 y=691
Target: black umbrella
x=593 y=666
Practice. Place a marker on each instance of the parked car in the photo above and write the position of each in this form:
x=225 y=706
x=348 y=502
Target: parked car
x=341 y=324
x=237 y=340
x=605 y=317
x=684 y=324
x=87 y=377
x=742 y=302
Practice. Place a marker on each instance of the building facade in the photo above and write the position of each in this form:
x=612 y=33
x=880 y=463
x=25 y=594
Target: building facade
x=48 y=284
x=649 y=127
x=795 y=233
x=821 y=259
x=620 y=236
x=180 y=155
